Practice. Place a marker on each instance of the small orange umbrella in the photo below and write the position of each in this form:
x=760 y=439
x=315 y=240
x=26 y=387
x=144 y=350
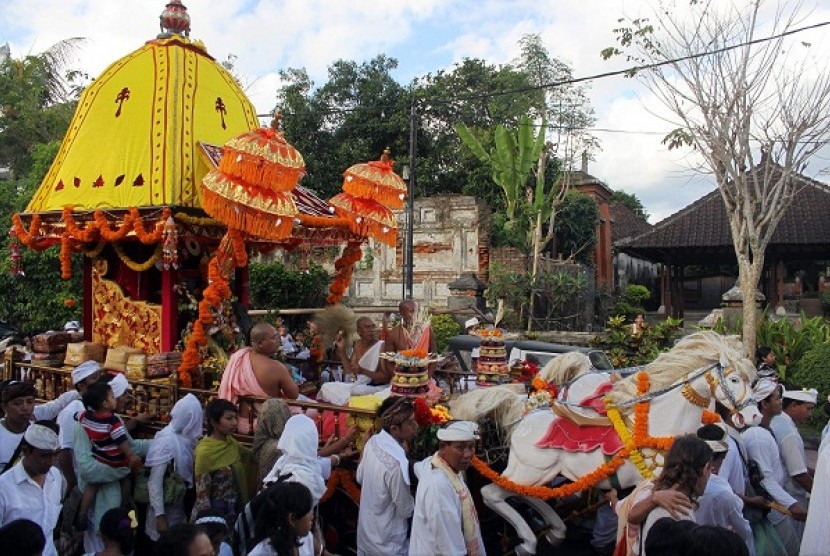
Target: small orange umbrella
x=376 y=180
x=367 y=217
x=251 y=189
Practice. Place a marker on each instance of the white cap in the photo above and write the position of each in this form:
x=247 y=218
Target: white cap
x=84 y=370
x=72 y=326
x=763 y=388
x=458 y=431
x=42 y=438
x=805 y=395
x=471 y=322
x=119 y=385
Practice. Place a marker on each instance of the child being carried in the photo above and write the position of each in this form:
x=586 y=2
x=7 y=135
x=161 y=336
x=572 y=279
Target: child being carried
x=109 y=440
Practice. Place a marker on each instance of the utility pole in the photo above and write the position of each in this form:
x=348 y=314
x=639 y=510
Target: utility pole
x=410 y=201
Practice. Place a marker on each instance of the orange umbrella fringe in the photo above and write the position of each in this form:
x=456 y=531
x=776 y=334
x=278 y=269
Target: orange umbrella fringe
x=252 y=169
x=387 y=196
x=248 y=220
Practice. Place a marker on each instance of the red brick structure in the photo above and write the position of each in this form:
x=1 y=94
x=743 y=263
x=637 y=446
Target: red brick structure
x=582 y=181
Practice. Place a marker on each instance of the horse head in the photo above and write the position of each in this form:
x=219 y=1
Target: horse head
x=728 y=381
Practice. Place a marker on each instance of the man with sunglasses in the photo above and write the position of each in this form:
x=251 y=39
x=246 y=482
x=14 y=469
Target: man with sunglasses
x=386 y=503
x=445 y=520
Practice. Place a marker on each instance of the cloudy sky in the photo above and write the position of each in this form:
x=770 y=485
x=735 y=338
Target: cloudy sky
x=425 y=36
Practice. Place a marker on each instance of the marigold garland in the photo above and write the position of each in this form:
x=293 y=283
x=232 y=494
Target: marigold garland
x=197 y=220
x=343 y=479
x=345 y=269
x=709 y=417
x=632 y=446
x=134 y=266
x=66 y=256
x=95 y=251
x=29 y=238
x=108 y=234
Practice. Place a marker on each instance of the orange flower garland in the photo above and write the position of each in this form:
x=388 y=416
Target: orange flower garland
x=29 y=238
x=604 y=471
x=343 y=479
x=709 y=417
x=66 y=256
x=345 y=269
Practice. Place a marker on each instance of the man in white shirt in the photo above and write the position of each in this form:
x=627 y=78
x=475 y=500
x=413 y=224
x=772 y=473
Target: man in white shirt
x=719 y=505
x=797 y=407
x=816 y=537
x=445 y=520
x=19 y=407
x=386 y=503
x=33 y=489
x=761 y=446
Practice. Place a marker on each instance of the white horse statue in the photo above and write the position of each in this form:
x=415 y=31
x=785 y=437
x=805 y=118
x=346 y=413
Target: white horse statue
x=699 y=370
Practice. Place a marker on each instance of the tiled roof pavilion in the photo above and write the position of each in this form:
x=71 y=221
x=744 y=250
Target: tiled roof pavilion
x=700 y=234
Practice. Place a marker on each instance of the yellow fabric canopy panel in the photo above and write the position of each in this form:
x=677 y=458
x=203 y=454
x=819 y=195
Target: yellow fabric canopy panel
x=133 y=139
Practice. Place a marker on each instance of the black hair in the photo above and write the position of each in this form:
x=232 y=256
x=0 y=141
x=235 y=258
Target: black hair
x=280 y=501
x=212 y=528
x=22 y=537
x=116 y=526
x=684 y=464
x=713 y=433
x=214 y=411
x=96 y=394
x=176 y=540
x=713 y=541
x=14 y=389
x=668 y=537
x=762 y=352
x=395 y=410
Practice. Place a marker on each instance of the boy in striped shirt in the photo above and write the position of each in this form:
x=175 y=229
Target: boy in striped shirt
x=108 y=437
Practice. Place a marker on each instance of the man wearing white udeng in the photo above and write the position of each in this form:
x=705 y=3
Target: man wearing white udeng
x=445 y=520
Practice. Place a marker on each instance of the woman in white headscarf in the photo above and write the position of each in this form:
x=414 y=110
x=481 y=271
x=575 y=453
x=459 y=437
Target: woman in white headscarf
x=299 y=462
x=174 y=444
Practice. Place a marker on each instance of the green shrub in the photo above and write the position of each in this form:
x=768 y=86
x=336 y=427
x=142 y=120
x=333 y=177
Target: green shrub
x=274 y=286
x=812 y=372
x=444 y=327
x=627 y=350
x=630 y=303
x=790 y=341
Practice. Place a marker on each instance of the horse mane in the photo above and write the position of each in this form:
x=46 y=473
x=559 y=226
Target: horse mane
x=501 y=403
x=566 y=367
x=693 y=352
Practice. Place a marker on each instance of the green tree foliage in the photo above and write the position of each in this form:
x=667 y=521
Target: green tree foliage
x=630 y=201
x=349 y=119
x=576 y=227
x=274 y=286
x=811 y=372
x=791 y=341
x=36 y=103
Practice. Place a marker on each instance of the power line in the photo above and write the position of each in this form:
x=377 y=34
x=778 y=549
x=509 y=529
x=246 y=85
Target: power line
x=570 y=81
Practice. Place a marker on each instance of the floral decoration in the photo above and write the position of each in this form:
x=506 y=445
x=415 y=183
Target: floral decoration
x=343 y=479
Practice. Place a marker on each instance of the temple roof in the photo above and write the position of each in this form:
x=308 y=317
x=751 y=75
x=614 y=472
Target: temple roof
x=702 y=228
x=133 y=139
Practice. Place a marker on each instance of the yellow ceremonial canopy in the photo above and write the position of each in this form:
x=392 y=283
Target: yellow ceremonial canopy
x=133 y=139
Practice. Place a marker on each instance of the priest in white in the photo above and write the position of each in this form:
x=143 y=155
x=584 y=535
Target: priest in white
x=363 y=363
x=386 y=503
x=445 y=520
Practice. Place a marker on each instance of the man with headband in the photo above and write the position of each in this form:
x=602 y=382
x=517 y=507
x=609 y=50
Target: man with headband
x=761 y=446
x=797 y=408
x=386 y=503
x=445 y=520
x=719 y=505
x=33 y=489
x=18 y=400
x=82 y=376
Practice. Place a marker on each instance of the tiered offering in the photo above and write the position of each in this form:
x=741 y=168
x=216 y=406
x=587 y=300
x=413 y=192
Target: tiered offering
x=492 y=368
x=411 y=376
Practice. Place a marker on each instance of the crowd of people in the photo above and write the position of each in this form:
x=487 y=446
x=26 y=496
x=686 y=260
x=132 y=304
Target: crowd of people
x=72 y=471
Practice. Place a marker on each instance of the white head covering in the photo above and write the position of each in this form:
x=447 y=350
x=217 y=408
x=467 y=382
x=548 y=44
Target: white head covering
x=72 y=326
x=803 y=395
x=470 y=323
x=298 y=443
x=84 y=370
x=119 y=385
x=763 y=388
x=42 y=438
x=458 y=431
x=177 y=441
